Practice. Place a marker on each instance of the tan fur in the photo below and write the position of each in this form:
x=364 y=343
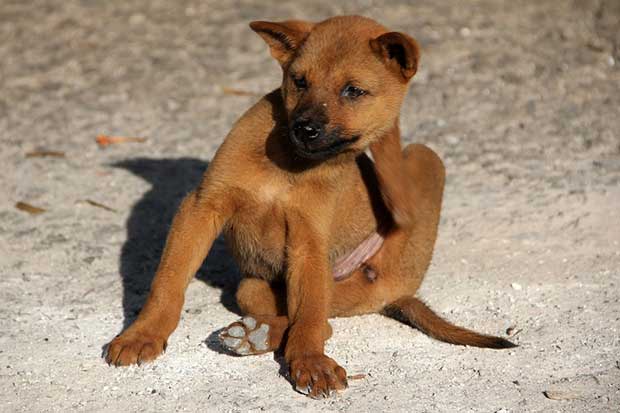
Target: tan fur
x=288 y=218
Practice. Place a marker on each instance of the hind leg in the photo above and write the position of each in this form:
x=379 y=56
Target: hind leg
x=427 y=173
x=259 y=297
x=399 y=266
x=264 y=325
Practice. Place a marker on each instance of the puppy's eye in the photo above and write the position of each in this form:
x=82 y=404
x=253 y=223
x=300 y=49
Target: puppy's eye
x=300 y=82
x=352 y=92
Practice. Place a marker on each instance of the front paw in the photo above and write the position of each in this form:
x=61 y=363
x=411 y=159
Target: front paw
x=134 y=348
x=317 y=375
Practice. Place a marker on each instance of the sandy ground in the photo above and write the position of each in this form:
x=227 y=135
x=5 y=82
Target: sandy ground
x=520 y=98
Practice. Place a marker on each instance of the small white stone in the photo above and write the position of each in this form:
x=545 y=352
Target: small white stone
x=452 y=139
x=516 y=286
x=136 y=19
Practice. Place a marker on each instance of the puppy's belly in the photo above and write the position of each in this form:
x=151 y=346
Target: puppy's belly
x=345 y=265
x=257 y=240
x=256 y=235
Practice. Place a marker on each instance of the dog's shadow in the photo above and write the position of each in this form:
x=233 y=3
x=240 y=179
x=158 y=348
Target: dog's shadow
x=147 y=228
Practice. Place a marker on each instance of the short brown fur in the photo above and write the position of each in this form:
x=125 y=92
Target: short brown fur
x=288 y=217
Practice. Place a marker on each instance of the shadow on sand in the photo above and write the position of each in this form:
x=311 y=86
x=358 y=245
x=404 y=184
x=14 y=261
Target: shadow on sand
x=147 y=228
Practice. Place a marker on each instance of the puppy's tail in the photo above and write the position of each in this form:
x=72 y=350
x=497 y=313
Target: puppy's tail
x=413 y=311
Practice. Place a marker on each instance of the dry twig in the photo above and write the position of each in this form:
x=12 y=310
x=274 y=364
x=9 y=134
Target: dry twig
x=238 y=92
x=97 y=204
x=105 y=140
x=45 y=154
x=31 y=209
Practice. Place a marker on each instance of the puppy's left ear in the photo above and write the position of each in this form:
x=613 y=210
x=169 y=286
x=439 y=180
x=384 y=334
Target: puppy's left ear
x=284 y=37
x=399 y=51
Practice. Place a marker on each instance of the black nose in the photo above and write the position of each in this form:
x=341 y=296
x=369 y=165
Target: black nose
x=307 y=130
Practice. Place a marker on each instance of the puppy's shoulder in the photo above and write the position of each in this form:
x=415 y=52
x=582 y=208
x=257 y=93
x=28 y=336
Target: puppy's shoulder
x=243 y=153
x=258 y=122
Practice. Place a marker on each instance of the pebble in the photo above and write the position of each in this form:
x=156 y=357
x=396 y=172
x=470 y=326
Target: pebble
x=136 y=19
x=516 y=286
x=560 y=395
x=452 y=140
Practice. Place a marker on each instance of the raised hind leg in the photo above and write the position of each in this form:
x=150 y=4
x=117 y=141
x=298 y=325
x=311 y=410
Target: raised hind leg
x=399 y=266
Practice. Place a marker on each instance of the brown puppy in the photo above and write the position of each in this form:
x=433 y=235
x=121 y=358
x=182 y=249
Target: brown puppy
x=318 y=229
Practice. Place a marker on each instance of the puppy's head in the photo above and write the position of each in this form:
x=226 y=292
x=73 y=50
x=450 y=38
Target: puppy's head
x=344 y=81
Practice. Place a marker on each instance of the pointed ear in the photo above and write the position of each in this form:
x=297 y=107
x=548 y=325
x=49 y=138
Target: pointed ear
x=283 y=38
x=399 y=51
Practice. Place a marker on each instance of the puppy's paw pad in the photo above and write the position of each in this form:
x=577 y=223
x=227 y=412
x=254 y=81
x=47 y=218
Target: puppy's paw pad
x=246 y=336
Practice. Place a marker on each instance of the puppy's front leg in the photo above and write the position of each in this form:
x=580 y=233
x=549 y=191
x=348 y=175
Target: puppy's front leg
x=309 y=285
x=194 y=228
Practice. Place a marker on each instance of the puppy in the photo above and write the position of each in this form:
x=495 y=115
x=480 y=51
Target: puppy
x=319 y=230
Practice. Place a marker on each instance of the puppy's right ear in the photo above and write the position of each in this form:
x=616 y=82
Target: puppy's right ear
x=399 y=51
x=283 y=38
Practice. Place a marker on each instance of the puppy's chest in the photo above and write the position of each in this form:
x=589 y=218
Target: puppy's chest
x=257 y=232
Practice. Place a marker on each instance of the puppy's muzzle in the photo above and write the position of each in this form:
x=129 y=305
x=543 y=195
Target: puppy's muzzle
x=312 y=140
x=307 y=131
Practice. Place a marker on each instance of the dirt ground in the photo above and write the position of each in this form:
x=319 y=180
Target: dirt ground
x=520 y=98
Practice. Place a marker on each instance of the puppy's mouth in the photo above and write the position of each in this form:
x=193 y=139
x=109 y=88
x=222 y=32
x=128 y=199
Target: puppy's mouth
x=323 y=147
